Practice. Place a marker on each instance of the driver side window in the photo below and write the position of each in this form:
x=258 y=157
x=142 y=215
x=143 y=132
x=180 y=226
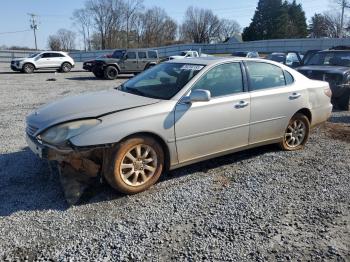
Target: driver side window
x=225 y=79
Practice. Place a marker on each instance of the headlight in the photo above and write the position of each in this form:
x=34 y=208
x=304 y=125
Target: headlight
x=58 y=134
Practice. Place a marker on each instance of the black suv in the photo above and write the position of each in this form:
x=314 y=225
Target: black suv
x=122 y=61
x=332 y=66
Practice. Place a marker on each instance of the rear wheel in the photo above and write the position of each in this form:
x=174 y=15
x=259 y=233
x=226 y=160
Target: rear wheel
x=296 y=134
x=138 y=164
x=28 y=68
x=111 y=72
x=66 y=67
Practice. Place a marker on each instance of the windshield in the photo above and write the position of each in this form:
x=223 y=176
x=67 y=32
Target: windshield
x=33 y=55
x=330 y=58
x=182 y=53
x=118 y=54
x=162 y=81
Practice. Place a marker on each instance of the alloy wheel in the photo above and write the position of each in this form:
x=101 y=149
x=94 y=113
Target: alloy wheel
x=138 y=165
x=295 y=134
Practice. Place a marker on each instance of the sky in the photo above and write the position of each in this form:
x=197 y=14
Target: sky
x=54 y=15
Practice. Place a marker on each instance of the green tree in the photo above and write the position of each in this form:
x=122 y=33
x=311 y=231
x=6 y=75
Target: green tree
x=276 y=20
x=264 y=21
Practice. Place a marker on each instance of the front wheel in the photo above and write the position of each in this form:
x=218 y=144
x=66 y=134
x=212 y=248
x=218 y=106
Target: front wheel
x=28 y=68
x=66 y=67
x=138 y=164
x=296 y=134
x=111 y=72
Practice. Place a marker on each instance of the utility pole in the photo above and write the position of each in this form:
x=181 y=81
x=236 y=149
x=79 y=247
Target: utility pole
x=344 y=5
x=34 y=26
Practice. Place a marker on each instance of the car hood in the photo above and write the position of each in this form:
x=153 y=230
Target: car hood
x=325 y=69
x=90 y=105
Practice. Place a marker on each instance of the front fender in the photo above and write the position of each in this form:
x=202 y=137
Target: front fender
x=156 y=119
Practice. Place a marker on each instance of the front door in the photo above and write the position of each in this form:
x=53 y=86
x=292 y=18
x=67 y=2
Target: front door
x=219 y=125
x=130 y=63
x=44 y=61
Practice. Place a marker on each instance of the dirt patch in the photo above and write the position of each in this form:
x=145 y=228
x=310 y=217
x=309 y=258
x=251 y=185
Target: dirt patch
x=337 y=131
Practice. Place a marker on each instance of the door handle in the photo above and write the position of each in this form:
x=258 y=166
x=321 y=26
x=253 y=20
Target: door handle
x=294 y=96
x=241 y=104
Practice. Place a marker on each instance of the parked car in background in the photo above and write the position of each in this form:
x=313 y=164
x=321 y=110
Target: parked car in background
x=88 y=65
x=332 y=66
x=124 y=61
x=248 y=54
x=175 y=114
x=187 y=54
x=291 y=59
x=43 y=60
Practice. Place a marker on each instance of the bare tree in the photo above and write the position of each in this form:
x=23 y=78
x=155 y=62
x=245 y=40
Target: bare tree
x=67 y=39
x=102 y=12
x=228 y=28
x=132 y=7
x=333 y=24
x=158 y=27
x=54 y=43
x=82 y=19
x=200 y=25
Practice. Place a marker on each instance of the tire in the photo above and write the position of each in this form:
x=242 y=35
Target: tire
x=98 y=74
x=28 y=68
x=66 y=67
x=296 y=133
x=111 y=73
x=135 y=172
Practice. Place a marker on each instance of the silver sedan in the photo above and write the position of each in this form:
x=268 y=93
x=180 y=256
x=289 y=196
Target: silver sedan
x=174 y=114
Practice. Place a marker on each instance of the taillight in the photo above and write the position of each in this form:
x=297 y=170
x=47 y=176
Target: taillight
x=328 y=92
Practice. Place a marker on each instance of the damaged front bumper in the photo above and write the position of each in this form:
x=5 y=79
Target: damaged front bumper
x=77 y=167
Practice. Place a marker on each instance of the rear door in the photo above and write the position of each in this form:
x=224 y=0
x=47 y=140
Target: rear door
x=274 y=100
x=142 y=60
x=219 y=125
x=57 y=59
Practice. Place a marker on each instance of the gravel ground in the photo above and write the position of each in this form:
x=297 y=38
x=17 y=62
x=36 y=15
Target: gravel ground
x=260 y=204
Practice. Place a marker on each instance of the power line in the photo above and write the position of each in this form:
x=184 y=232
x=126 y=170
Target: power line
x=14 y=32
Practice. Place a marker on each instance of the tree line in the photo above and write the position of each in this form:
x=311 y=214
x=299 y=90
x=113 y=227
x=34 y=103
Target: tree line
x=107 y=24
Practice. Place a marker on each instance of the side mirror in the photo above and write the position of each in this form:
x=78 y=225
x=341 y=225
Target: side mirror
x=197 y=95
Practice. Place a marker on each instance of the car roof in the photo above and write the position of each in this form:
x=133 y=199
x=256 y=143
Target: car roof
x=212 y=60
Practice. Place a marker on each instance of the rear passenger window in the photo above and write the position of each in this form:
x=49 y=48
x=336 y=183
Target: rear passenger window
x=142 y=55
x=289 y=78
x=152 y=54
x=264 y=75
x=222 y=80
x=131 y=55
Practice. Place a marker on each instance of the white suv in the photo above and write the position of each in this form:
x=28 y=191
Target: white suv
x=44 y=60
